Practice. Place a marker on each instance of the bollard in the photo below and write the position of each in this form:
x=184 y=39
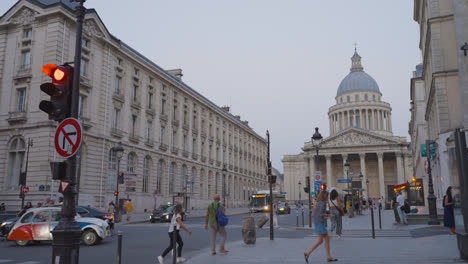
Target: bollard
x=302 y=216
x=297 y=217
x=372 y=219
x=174 y=251
x=380 y=218
x=248 y=230
x=119 y=247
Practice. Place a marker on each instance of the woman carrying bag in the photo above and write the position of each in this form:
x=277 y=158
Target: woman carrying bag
x=336 y=209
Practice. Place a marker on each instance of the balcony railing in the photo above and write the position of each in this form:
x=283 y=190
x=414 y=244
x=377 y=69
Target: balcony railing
x=162 y=146
x=135 y=104
x=174 y=150
x=163 y=117
x=23 y=71
x=118 y=97
x=185 y=127
x=185 y=153
x=149 y=142
x=134 y=138
x=116 y=132
x=19 y=116
x=194 y=156
x=194 y=130
x=203 y=158
x=218 y=163
x=211 y=161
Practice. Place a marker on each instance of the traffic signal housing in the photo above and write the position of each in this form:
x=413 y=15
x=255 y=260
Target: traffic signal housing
x=323 y=187
x=60 y=91
x=121 y=178
x=116 y=193
x=306 y=189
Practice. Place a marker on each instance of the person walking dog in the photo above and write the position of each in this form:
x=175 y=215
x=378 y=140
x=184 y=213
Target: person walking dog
x=175 y=226
x=214 y=226
x=320 y=230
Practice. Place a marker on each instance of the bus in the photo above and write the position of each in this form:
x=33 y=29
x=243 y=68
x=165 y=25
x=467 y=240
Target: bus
x=260 y=201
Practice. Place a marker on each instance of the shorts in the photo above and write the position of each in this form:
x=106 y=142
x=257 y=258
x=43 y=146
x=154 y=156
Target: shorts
x=320 y=229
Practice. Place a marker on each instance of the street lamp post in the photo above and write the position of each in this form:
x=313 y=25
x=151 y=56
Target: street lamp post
x=119 y=150
x=316 y=141
x=224 y=185
x=346 y=167
x=300 y=190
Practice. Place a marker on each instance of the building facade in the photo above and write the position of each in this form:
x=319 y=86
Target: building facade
x=443 y=87
x=175 y=139
x=361 y=133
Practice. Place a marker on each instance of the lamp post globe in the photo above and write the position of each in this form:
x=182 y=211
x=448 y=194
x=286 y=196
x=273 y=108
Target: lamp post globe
x=119 y=150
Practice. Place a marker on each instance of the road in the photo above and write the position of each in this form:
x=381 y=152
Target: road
x=142 y=243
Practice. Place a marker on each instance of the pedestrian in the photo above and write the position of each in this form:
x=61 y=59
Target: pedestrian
x=449 y=217
x=394 y=206
x=25 y=208
x=336 y=209
x=401 y=203
x=111 y=208
x=214 y=226
x=39 y=204
x=381 y=200
x=320 y=230
x=275 y=216
x=174 y=227
x=129 y=209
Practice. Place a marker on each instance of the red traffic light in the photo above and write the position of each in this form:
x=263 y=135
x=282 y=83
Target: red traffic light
x=116 y=193
x=323 y=187
x=55 y=72
x=60 y=90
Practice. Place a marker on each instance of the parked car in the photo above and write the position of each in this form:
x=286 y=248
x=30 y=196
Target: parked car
x=164 y=214
x=87 y=211
x=283 y=208
x=6 y=225
x=37 y=224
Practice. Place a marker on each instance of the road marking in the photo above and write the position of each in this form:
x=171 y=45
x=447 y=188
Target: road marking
x=5 y=260
x=25 y=262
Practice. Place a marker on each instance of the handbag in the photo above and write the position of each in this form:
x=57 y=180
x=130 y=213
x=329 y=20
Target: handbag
x=338 y=208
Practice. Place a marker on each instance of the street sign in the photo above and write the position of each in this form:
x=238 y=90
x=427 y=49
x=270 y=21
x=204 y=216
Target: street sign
x=190 y=182
x=25 y=189
x=63 y=186
x=344 y=180
x=423 y=150
x=351 y=174
x=317 y=185
x=68 y=137
x=283 y=192
x=318 y=176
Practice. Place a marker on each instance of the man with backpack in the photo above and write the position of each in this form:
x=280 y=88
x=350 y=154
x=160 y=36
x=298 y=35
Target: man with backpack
x=213 y=217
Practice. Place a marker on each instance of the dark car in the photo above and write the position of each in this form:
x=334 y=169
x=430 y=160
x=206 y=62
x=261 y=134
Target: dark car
x=6 y=226
x=87 y=211
x=283 y=208
x=164 y=214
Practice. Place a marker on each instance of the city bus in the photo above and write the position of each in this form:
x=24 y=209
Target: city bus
x=260 y=201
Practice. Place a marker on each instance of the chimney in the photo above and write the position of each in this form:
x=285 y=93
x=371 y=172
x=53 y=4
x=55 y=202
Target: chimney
x=238 y=117
x=226 y=108
x=176 y=73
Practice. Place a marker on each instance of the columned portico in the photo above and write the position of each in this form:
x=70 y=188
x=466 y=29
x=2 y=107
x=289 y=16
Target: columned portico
x=362 y=157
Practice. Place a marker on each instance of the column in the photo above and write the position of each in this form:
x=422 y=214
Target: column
x=362 y=157
x=399 y=164
x=350 y=120
x=373 y=120
x=407 y=167
x=345 y=157
x=381 y=175
x=311 y=167
x=341 y=121
x=379 y=125
x=330 y=179
x=387 y=120
x=390 y=120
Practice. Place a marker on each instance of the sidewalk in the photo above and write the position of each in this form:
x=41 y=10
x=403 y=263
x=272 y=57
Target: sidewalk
x=145 y=217
x=437 y=249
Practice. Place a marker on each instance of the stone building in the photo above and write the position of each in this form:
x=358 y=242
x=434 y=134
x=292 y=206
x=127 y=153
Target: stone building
x=171 y=133
x=361 y=132
x=443 y=85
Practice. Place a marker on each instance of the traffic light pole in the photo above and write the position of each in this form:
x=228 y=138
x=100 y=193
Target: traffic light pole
x=431 y=198
x=270 y=179
x=117 y=204
x=67 y=234
x=310 y=203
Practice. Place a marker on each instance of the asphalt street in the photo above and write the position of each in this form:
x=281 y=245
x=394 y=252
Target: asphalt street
x=142 y=243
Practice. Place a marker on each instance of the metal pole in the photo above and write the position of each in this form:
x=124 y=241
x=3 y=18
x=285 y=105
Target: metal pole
x=30 y=143
x=380 y=218
x=271 y=185
x=119 y=247
x=461 y=151
x=174 y=254
x=431 y=197
x=310 y=203
x=372 y=220
x=297 y=217
x=67 y=234
x=302 y=216
x=117 y=205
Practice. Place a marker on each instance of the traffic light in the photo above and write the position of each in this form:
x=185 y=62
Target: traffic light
x=116 y=193
x=121 y=178
x=306 y=189
x=323 y=187
x=60 y=90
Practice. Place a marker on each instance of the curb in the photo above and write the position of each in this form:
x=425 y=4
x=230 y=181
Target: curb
x=189 y=217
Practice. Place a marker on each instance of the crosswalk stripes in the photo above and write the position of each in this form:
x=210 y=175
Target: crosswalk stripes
x=14 y=261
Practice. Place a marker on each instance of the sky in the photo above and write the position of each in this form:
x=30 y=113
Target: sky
x=276 y=63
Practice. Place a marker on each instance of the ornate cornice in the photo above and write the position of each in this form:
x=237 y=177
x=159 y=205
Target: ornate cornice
x=25 y=17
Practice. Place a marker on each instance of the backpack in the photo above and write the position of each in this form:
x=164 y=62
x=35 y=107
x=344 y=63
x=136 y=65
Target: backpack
x=406 y=208
x=221 y=218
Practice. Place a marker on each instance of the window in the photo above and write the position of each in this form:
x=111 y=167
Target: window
x=174 y=138
x=119 y=61
x=149 y=124
x=171 y=177
x=131 y=162
x=194 y=120
x=135 y=93
x=84 y=67
x=118 y=83
x=163 y=106
x=341 y=102
x=115 y=121
x=161 y=135
x=146 y=173
x=216 y=183
x=151 y=79
x=85 y=42
x=21 y=99
x=81 y=105
x=348 y=99
x=356 y=98
x=15 y=161
x=160 y=175
x=192 y=178
x=27 y=33
x=185 y=117
x=373 y=97
x=150 y=99
x=25 y=59
x=136 y=71
x=111 y=170
x=184 y=146
x=194 y=146
x=183 y=177
x=174 y=115
x=134 y=121
x=366 y=97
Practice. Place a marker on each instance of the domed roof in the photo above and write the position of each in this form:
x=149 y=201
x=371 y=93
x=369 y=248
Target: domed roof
x=357 y=80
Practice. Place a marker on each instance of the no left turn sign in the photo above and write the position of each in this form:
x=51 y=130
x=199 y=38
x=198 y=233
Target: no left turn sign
x=68 y=137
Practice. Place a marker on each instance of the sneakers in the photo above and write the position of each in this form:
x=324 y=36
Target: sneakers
x=223 y=251
x=181 y=260
x=161 y=260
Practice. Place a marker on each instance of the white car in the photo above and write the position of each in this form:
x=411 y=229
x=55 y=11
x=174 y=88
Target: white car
x=37 y=223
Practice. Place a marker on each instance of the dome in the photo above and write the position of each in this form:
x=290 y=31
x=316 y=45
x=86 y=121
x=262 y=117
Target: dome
x=357 y=80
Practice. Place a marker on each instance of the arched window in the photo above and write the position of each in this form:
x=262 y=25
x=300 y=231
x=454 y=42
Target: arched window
x=192 y=178
x=183 y=177
x=171 y=177
x=216 y=183
x=131 y=162
x=146 y=173
x=111 y=169
x=15 y=161
x=202 y=179
x=160 y=175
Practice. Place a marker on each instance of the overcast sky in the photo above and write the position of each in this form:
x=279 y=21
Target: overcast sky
x=277 y=63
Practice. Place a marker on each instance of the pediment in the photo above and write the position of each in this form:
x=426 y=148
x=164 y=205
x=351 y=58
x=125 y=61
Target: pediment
x=92 y=29
x=24 y=16
x=355 y=137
